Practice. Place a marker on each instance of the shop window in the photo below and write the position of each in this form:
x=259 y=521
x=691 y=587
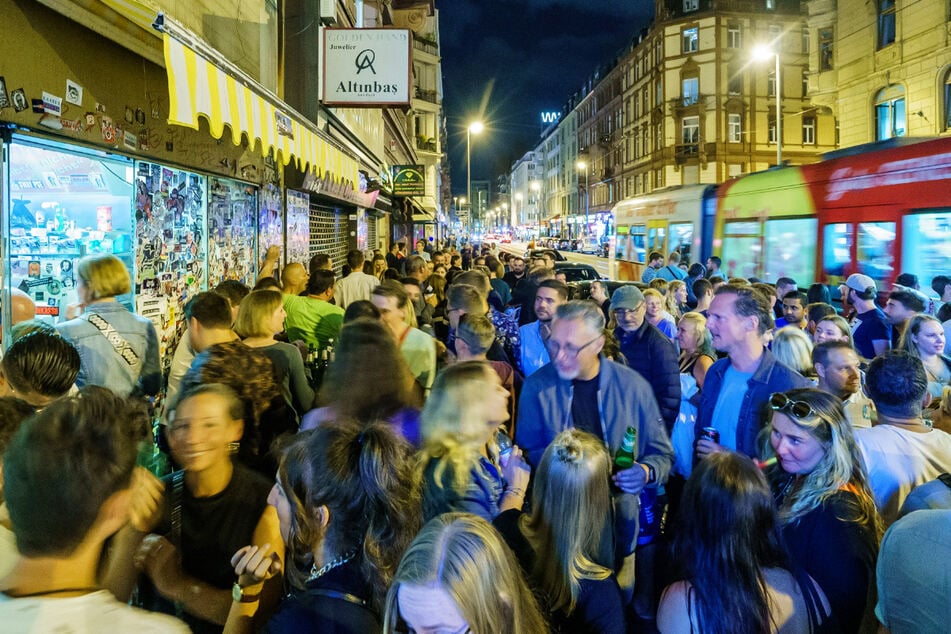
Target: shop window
x=734 y=128
x=890 y=116
x=826 y=47
x=886 y=23
x=690 y=40
x=808 y=130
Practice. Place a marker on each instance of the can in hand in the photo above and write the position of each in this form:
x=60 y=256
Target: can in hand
x=711 y=434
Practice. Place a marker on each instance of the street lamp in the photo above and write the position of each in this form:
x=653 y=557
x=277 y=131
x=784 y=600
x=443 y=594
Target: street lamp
x=583 y=167
x=475 y=127
x=762 y=53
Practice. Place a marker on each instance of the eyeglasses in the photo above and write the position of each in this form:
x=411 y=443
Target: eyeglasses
x=800 y=409
x=554 y=348
x=623 y=312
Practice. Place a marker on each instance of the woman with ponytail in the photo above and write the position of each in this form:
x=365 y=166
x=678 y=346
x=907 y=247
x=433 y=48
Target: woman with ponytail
x=349 y=505
x=565 y=544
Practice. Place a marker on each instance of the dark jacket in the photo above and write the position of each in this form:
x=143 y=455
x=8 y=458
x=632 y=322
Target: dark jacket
x=652 y=355
x=771 y=376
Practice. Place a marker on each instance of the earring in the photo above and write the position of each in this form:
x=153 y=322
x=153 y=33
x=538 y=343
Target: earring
x=233 y=447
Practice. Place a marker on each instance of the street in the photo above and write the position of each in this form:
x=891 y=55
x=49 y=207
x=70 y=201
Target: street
x=600 y=264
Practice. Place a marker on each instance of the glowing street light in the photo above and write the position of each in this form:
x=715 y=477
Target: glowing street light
x=475 y=127
x=763 y=53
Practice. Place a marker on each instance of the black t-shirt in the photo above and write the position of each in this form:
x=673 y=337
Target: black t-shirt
x=214 y=528
x=584 y=406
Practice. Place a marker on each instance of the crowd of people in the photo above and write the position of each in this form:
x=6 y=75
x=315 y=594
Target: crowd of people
x=461 y=441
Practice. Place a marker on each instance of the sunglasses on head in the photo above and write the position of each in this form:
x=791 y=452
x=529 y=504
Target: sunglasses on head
x=800 y=409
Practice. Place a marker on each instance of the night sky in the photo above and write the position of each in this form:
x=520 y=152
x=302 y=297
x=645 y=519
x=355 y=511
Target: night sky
x=505 y=62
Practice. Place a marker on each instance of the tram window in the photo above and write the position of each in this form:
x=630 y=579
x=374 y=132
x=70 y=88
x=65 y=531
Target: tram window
x=875 y=253
x=741 y=249
x=926 y=244
x=630 y=243
x=656 y=236
x=836 y=251
x=681 y=239
x=791 y=249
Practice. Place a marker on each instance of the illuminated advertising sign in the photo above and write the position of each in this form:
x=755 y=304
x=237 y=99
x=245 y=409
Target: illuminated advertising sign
x=550 y=117
x=367 y=67
x=409 y=180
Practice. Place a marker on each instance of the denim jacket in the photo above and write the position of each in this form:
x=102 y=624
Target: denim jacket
x=482 y=494
x=771 y=376
x=101 y=364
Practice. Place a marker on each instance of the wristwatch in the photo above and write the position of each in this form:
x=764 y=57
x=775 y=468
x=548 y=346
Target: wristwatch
x=238 y=595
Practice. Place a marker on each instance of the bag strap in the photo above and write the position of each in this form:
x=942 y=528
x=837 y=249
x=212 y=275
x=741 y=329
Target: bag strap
x=120 y=345
x=334 y=594
x=178 y=480
x=946 y=478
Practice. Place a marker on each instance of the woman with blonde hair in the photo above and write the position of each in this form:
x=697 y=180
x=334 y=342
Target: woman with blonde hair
x=826 y=509
x=924 y=338
x=119 y=349
x=677 y=299
x=833 y=328
x=565 y=545
x=696 y=347
x=260 y=317
x=458 y=576
x=792 y=346
x=657 y=315
x=460 y=461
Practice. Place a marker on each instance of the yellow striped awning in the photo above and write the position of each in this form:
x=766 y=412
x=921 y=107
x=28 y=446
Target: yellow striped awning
x=197 y=87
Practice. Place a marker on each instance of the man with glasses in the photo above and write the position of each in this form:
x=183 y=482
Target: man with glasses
x=648 y=351
x=534 y=336
x=736 y=390
x=579 y=388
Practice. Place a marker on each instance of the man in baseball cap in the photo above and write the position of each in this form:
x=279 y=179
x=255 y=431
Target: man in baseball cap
x=873 y=333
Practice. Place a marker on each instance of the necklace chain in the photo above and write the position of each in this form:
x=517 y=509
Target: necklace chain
x=316 y=573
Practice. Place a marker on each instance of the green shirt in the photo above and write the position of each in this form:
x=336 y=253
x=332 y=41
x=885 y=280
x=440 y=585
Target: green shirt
x=313 y=321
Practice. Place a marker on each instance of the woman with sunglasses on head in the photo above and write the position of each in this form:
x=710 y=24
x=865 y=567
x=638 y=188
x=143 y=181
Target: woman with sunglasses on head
x=826 y=508
x=734 y=576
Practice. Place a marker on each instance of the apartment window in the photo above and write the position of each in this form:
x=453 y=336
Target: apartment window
x=805 y=85
x=770 y=4
x=808 y=130
x=805 y=41
x=659 y=136
x=734 y=82
x=825 y=48
x=890 y=113
x=659 y=93
x=658 y=178
x=691 y=130
x=734 y=38
x=691 y=5
x=690 y=39
x=691 y=90
x=734 y=124
x=886 y=23
x=771 y=84
x=771 y=126
x=775 y=36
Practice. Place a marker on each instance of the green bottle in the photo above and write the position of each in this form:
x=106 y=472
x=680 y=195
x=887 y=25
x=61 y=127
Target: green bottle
x=625 y=458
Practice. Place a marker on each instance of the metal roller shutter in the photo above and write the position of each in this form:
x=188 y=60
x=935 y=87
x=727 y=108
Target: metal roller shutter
x=328 y=234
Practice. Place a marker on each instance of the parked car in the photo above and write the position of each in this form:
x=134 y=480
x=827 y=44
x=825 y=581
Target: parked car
x=590 y=245
x=576 y=272
x=554 y=253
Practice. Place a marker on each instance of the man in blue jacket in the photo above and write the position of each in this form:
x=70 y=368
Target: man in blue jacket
x=648 y=351
x=581 y=389
x=736 y=390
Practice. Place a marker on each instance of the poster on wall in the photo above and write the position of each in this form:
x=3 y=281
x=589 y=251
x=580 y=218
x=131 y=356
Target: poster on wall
x=170 y=248
x=270 y=220
x=232 y=210
x=298 y=227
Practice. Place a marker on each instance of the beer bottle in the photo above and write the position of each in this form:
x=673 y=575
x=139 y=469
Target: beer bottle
x=624 y=458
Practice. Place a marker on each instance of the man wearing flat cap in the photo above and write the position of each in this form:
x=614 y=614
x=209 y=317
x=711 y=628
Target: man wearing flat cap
x=647 y=350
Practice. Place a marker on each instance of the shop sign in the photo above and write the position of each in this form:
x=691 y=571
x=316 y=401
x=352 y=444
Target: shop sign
x=341 y=190
x=366 y=67
x=409 y=180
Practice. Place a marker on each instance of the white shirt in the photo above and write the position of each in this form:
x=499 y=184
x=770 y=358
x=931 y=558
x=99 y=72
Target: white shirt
x=356 y=286
x=859 y=410
x=93 y=613
x=898 y=460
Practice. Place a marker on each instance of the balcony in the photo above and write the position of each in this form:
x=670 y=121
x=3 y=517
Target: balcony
x=427 y=144
x=427 y=46
x=427 y=95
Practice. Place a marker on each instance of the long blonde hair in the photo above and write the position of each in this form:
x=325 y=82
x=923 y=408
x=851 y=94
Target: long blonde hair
x=673 y=307
x=453 y=425
x=570 y=526
x=465 y=556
